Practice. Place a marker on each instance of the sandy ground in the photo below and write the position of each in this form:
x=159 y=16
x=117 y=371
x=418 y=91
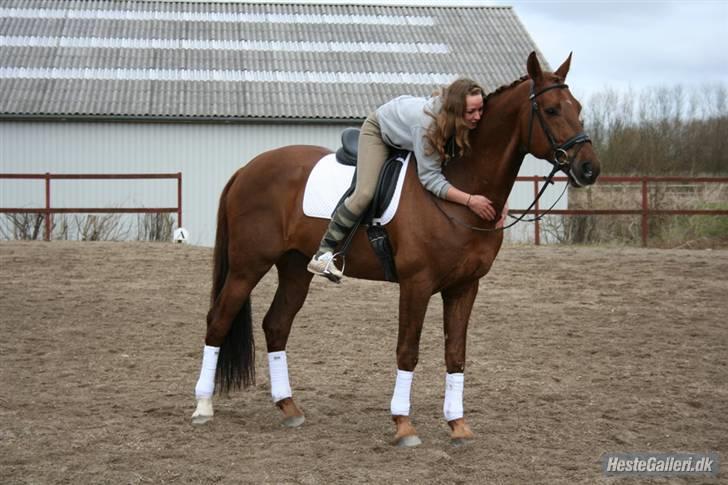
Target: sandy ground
x=572 y=352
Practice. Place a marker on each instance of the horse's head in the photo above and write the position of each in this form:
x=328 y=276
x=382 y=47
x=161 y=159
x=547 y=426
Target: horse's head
x=552 y=126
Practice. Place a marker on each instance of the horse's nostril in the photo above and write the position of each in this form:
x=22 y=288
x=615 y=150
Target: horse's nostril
x=587 y=170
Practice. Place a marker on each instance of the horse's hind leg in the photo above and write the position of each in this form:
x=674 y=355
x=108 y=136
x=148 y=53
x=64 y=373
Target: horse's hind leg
x=227 y=307
x=293 y=283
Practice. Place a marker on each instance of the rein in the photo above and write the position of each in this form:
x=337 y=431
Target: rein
x=548 y=181
x=560 y=161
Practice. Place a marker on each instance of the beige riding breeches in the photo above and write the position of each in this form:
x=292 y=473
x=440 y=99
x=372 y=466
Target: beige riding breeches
x=372 y=154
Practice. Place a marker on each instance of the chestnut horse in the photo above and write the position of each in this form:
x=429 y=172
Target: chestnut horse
x=435 y=244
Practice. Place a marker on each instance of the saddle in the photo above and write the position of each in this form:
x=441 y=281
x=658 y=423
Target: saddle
x=347 y=154
x=349 y=150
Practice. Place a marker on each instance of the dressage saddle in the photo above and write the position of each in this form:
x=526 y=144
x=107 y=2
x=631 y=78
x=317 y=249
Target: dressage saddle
x=349 y=150
x=347 y=154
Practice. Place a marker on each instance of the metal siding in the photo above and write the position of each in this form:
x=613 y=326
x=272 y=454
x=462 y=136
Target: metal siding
x=207 y=155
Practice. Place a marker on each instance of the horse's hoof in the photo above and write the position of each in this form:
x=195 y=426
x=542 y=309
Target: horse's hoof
x=200 y=419
x=203 y=413
x=461 y=432
x=294 y=421
x=457 y=442
x=409 y=441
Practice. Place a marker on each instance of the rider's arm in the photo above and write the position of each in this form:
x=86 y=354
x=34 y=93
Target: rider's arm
x=429 y=168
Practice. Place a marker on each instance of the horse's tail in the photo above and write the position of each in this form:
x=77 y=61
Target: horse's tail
x=236 y=361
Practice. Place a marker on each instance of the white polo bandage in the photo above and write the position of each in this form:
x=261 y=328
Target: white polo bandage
x=206 y=383
x=453 y=407
x=280 y=388
x=400 y=405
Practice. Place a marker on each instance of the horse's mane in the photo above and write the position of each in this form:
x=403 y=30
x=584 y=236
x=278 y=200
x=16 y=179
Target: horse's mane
x=504 y=88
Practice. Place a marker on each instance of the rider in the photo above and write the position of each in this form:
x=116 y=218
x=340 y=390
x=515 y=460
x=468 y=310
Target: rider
x=436 y=130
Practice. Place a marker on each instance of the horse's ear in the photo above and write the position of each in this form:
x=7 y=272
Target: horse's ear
x=534 y=67
x=563 y=69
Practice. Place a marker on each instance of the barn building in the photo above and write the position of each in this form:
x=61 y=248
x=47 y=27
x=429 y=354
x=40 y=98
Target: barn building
x=122 y=86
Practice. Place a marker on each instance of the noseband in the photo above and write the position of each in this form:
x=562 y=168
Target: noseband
x=559 y=151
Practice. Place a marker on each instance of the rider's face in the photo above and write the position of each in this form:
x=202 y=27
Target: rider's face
x=473 y=109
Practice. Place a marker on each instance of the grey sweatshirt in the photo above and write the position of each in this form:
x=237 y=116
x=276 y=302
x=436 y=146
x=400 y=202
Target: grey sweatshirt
x=404 y=122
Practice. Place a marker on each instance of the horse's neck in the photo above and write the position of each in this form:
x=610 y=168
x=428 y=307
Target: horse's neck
x=495 y=157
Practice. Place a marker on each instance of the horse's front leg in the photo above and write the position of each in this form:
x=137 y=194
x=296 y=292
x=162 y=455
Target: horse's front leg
x=293 y=284
x=413 y=301
x=457 y=305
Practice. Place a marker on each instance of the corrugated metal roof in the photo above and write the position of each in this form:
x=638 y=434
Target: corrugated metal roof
x=240 y=60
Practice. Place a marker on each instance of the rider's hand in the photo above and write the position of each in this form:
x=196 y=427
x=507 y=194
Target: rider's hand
x=482 y=206
x=504 y=214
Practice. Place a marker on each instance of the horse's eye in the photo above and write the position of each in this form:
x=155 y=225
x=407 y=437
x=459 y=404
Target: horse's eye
x=552 y=111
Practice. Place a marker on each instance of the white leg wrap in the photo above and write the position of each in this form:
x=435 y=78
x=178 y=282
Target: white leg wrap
x=453 y=407
x=400 y=405
x=280 y=388
x=206 y=383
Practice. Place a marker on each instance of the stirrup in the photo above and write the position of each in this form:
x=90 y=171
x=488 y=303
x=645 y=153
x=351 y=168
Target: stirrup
x=315 y=267
x=329 y=275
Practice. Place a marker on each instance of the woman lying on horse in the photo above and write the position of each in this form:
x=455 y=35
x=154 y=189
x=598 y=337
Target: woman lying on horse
x=436 y=130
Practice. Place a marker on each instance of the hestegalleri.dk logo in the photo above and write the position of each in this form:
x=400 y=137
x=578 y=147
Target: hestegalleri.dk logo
x=661 y=464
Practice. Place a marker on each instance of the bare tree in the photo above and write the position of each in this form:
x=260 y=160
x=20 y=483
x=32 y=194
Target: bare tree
x=155 y=227
x=107 y=227
x=660 y=131
x=22 y=226
x=657 y=131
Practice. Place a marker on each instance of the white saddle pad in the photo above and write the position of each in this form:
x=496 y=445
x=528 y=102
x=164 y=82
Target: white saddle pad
x=329 y=180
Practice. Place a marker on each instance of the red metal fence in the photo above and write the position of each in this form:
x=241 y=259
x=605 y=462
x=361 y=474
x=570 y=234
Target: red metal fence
x=644 y=211
x=48 y=211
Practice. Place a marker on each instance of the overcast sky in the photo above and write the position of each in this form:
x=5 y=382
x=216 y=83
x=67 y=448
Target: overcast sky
x=620 y=44
x=625 y=44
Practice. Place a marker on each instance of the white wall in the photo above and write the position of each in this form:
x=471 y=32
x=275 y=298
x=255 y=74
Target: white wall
x=522 y=195
x=206 y=154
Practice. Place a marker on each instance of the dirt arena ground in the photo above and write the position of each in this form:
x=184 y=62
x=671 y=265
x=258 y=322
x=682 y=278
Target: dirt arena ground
x=572 y=352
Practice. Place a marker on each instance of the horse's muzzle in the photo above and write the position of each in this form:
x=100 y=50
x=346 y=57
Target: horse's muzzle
x=584 y=172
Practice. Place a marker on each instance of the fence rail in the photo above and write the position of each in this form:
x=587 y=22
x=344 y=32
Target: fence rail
x=645 y=211
x=48 y=210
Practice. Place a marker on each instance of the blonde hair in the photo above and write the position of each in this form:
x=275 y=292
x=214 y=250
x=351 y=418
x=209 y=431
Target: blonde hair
x=449 y=120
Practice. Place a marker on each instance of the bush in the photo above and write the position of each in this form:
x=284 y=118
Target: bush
x=91 y=227
x=663 y=230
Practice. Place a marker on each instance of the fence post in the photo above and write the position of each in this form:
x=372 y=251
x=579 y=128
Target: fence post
x=645 y=219
x=537 y=226
x=48 y=222
x=179 y=199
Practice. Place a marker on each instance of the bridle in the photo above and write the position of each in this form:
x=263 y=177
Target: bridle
x=559 y=152
x=560 y=159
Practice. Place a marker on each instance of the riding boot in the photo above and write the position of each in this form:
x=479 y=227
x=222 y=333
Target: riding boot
x=323 y=261
x=341 y=223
